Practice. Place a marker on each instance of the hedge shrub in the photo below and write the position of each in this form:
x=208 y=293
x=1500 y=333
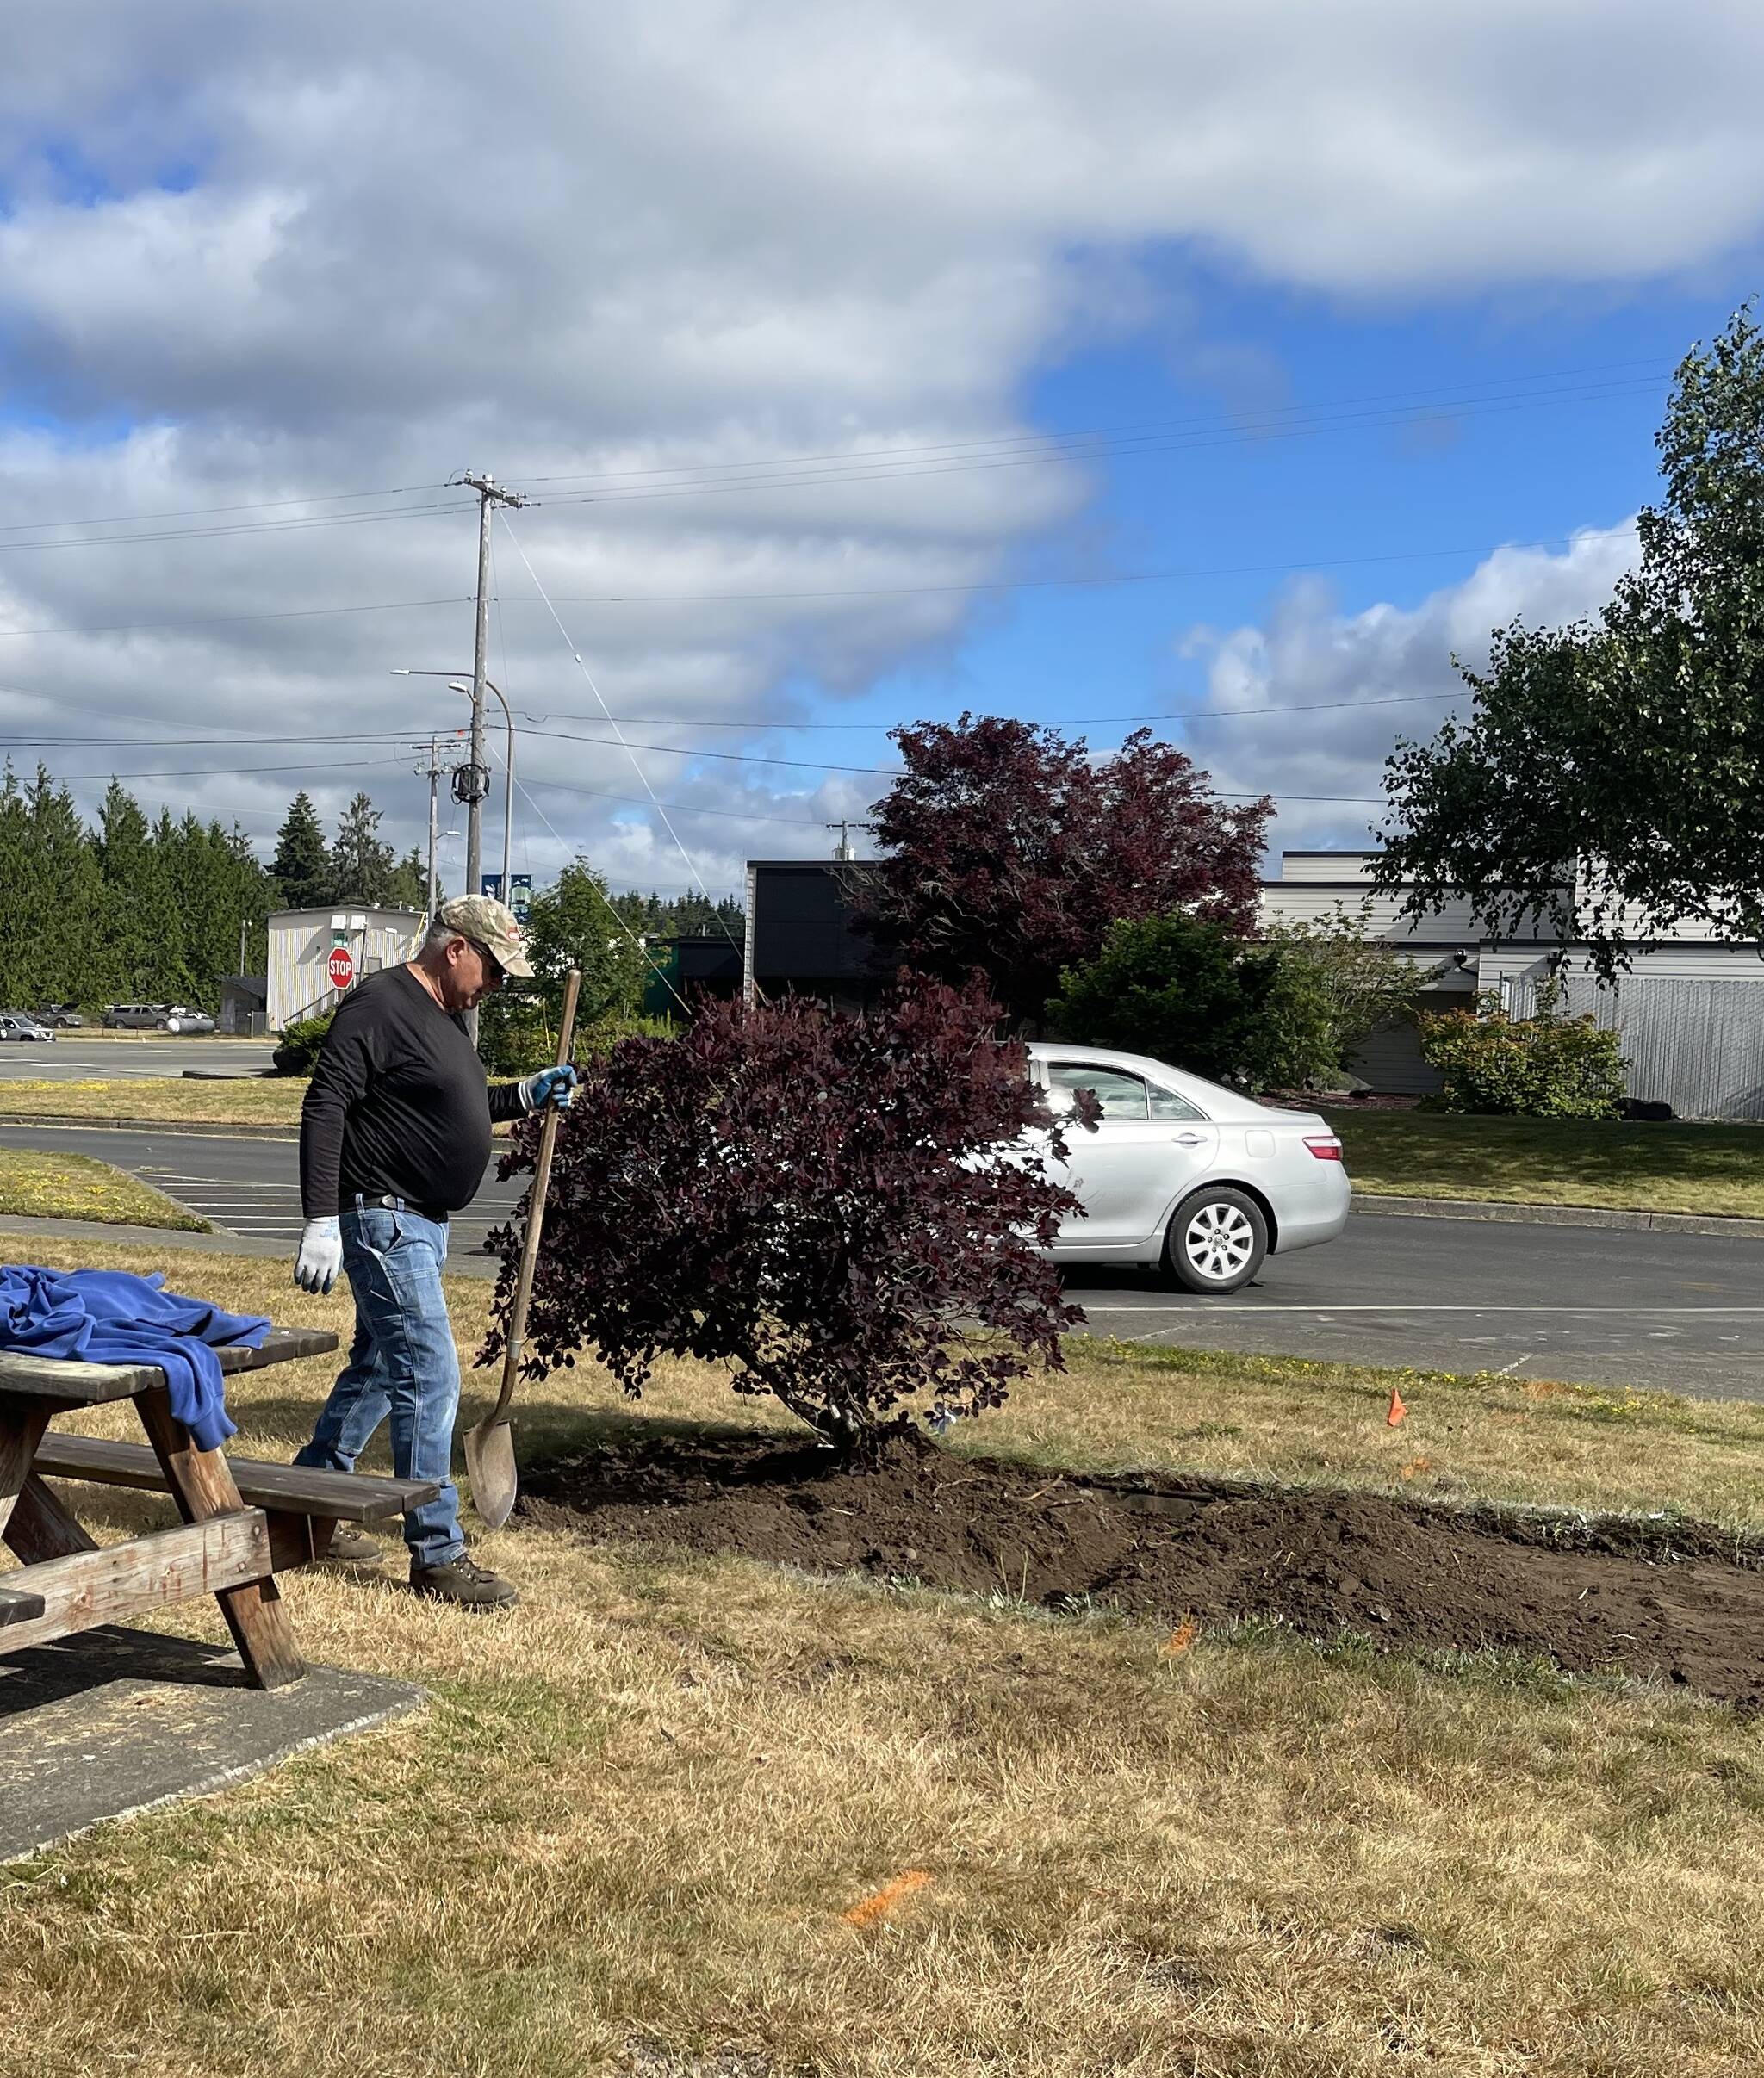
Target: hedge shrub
x=1546 y=1066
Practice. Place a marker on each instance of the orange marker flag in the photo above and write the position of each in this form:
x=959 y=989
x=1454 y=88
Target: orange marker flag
x=1397 y=1410
x=878 y=1906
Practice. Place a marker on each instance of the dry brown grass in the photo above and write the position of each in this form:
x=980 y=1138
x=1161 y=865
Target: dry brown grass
x=627 y=1832
x=158 y=1100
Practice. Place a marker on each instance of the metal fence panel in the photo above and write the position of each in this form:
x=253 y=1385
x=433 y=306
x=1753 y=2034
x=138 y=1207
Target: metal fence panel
x=1697 y=1045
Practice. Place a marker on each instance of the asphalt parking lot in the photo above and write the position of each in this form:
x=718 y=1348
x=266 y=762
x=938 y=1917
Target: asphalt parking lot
x=71 y=1058
x=249 y=1186
x=1680 y=1313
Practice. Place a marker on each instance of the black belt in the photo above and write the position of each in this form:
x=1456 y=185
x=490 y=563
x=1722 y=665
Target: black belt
x=404 y=1205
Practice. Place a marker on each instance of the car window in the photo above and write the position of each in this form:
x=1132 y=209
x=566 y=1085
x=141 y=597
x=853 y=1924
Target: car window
x=1166 y=1104
x=1122 y=1096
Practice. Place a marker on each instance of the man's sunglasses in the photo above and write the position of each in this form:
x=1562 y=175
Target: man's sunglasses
x=494 y=967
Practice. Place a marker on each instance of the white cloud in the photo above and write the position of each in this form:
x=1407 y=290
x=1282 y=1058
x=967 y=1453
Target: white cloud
x=1307 y=654
x=246 y=251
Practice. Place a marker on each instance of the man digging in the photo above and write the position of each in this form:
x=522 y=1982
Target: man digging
x=395 y=1135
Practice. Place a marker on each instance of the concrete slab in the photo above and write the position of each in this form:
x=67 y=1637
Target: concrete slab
x=114 y=1722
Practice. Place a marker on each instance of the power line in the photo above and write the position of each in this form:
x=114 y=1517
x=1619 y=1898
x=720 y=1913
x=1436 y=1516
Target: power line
x=588 y=678
x=1045 y=452
x=1021 y=451
x=641 y=598
x=1443 y=395
x=217 y=620
x=268 y=526
x=229 y=771
x=261 y=505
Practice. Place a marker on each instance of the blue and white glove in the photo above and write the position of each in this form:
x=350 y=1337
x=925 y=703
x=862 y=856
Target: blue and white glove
x=319 y=1262
x=549 y=1085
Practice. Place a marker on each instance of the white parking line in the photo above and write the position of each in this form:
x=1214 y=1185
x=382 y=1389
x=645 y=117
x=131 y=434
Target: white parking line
x=1326 y=1313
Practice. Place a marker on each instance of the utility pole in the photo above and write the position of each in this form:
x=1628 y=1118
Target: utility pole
x=489 y=493
x=845 y=854
x=433 y=771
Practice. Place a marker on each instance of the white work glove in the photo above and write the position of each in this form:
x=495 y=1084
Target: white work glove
x=540 y=1089
x=320 y=1258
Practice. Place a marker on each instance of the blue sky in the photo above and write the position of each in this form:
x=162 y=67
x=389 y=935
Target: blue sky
x=240 y=269
x=1504 y=419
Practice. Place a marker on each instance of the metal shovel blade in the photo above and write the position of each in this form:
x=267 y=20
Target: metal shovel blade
x=489 y=1458
x=489 y=1448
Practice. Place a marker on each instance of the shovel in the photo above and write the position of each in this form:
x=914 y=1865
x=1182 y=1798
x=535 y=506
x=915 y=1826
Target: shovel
x=489 y=1448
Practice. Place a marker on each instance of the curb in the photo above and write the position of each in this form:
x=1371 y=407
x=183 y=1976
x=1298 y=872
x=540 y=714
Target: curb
x=220 y=1243
x=1496 y=1211
x=255 y=1130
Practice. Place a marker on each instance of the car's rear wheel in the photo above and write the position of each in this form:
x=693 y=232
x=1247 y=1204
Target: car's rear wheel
x=1217 y=1239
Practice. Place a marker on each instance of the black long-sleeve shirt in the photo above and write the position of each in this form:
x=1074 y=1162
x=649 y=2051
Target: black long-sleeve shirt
x=398 y=1105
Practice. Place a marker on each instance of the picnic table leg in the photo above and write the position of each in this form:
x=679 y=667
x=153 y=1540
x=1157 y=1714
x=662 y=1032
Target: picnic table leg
x=202 y=1485
x=22 y=1425
x=41 y=1528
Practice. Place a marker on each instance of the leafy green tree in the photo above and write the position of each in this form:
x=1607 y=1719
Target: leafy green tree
x=571 y=923
x=1177 y=988
x=301 y=866
x=1335 y=986
x=361 y=863
x=1605 y=786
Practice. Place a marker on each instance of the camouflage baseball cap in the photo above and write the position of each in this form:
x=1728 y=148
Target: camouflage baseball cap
x=484 y=920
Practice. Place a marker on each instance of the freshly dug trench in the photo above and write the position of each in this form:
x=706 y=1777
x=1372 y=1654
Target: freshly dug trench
x=1676 y=1602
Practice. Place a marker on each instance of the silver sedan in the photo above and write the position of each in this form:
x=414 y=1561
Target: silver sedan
x=1183 y=1173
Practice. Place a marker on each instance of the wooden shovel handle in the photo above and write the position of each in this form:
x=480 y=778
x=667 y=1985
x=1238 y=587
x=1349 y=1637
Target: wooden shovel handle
x=535 y=1211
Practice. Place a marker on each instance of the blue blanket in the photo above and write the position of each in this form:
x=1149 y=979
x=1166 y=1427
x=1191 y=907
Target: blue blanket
x=109 y=1317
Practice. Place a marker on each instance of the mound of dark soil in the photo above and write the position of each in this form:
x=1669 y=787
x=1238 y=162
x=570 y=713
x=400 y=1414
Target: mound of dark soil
x=1613 y=1595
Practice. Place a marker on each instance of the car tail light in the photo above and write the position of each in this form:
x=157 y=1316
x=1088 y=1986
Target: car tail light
x=1324 y=1146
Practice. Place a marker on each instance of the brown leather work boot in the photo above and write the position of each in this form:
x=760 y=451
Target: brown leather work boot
x=353 y=1550
x=464 y=1584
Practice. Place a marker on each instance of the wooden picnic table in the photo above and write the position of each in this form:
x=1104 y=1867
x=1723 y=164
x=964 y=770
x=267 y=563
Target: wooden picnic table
x=245 y=1520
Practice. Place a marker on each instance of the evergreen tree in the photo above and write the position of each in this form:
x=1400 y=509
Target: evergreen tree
x=67 y=901
x=17 y=895
x=360 y=865
x=141 y=929
x=681 y=916
x=410 y=882
x=301 y=866
x=256 y=894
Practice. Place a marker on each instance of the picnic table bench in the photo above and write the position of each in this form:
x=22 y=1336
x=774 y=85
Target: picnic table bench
x=244 y=1520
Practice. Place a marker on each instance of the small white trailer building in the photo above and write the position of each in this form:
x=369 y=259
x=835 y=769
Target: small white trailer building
x=307 y=975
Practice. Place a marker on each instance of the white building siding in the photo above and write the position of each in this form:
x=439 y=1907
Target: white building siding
x=1691 y=1012
x=1285 y=902
x=299 y=947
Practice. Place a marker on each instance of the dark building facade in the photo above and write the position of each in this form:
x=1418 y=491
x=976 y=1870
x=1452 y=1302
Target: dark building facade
x=800 y=937
x=709 y=964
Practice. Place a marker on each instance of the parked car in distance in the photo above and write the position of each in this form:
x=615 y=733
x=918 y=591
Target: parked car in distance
x=134 y=1017
x=178 y=1018
x=20 y=1024
x=1182 y=1174
x=63 y=1016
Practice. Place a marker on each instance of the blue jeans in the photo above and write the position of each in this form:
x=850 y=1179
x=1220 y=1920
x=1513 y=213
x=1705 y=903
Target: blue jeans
x=402 y=1363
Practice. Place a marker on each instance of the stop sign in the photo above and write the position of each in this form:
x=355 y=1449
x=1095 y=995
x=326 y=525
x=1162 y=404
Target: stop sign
x=340 y=966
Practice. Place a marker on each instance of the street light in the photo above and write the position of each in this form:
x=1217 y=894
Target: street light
x=456 y=685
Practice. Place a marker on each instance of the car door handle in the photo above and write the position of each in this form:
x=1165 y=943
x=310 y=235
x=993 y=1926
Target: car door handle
x=1191 y=1139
